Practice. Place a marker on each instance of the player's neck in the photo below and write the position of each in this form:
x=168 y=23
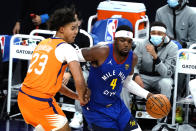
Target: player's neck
x=118 y=57
x=59 y=35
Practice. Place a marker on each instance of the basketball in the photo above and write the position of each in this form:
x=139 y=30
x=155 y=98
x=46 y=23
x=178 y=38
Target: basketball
x=158 y=106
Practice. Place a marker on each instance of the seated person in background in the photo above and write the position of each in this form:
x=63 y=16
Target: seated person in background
x=180 y=21
x=156 y=60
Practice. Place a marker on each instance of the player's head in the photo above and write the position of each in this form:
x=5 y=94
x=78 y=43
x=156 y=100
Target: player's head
x=64 y=21
x=157 y=33
x=123 y=40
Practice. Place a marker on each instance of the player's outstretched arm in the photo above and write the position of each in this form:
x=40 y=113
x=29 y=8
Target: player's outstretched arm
x=65 y=90
x=68 y=92
x=83 y=92
x=96 y=54
x=132 y=86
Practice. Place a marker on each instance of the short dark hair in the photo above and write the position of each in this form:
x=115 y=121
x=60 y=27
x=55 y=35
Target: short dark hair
x=61 y=17
x=124 y=27
x=157 y=23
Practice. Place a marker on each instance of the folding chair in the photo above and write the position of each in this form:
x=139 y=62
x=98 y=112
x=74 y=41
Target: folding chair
x=18 y=51
x=185 y=64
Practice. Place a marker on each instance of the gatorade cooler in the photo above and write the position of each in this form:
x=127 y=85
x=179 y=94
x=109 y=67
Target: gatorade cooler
x=117 y=9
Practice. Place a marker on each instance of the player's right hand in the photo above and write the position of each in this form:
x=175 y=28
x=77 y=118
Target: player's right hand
x=87 y=95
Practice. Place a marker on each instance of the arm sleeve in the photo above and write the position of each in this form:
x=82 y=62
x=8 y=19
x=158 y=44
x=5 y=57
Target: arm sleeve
x=134 y=88
x=65 y=52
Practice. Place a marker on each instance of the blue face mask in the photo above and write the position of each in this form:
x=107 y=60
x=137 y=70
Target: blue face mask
x=172 y=3
x=156 y=39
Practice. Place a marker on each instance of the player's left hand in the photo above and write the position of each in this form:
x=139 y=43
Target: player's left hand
x=86 y=97
x=149 y=95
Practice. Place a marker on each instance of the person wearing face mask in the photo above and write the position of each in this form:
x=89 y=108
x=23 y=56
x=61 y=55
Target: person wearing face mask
x=180 y=21
x=156 y=60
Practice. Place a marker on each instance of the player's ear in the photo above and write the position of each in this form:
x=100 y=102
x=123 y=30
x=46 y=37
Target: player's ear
x=61 y=29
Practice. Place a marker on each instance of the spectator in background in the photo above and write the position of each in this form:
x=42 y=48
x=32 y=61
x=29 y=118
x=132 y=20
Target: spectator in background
x=42 y=9
x=180 y=21
x=156 y=61
x=34 y=14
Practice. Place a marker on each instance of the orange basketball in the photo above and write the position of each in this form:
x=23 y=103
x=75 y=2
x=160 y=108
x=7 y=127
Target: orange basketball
x=158 y=106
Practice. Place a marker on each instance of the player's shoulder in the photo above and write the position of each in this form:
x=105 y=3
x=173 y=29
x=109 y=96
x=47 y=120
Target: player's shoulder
x=64 y=46
x=100 y=51
x=134 y=56
x=101 y=48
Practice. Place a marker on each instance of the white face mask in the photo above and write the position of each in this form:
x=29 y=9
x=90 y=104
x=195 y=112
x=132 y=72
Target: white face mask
x=173 y=3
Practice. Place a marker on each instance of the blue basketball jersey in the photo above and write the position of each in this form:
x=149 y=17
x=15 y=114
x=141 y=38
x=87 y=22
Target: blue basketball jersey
x=106 y=81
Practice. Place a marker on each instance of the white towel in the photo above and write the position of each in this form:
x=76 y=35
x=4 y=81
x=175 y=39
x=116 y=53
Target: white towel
x=192 y=88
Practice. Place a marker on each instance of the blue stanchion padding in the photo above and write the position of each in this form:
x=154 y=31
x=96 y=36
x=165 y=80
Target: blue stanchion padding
x=104 y=30
x=5 y=46
x=178 y=44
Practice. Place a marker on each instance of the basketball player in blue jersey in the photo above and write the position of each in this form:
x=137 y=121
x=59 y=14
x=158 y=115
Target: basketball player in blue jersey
x=112 y=66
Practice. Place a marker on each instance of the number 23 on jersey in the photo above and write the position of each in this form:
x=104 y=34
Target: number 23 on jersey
x=40 y=61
